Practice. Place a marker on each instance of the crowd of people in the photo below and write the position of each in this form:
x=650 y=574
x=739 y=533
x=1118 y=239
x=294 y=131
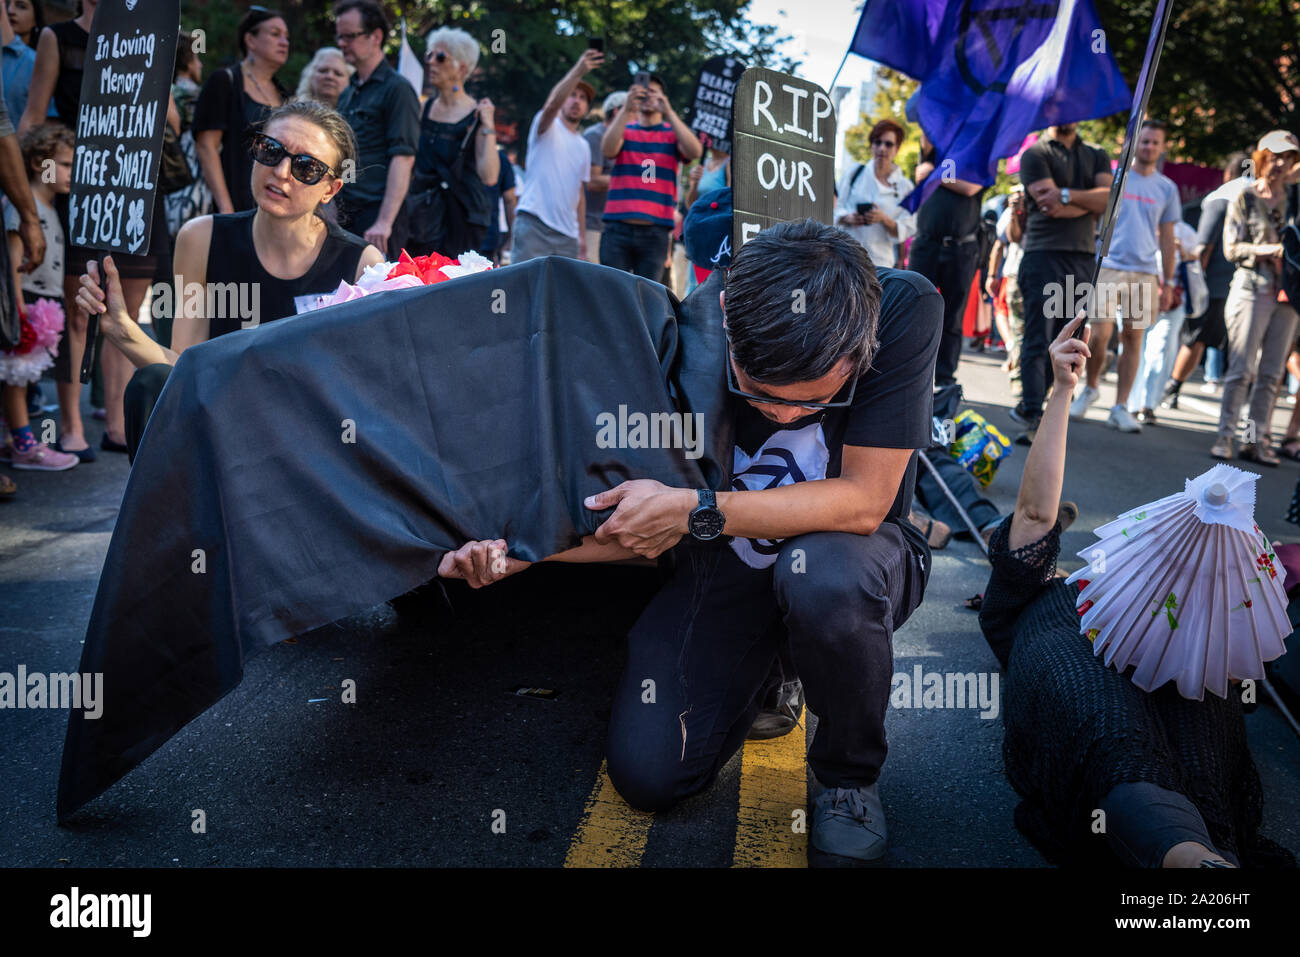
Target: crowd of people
x=420 y=177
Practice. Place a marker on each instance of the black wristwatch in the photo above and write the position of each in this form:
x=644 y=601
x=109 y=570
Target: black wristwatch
x=707 y=520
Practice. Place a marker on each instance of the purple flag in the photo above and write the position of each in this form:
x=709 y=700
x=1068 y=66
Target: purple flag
x=992 y=72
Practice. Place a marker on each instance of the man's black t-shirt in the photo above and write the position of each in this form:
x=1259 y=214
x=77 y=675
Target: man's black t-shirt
x=892 y=409
x=1075 y=167
x=948 y=213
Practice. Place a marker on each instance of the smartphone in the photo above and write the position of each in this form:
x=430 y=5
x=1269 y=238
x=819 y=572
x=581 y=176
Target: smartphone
x=596 y=43
x=864 y=208
x=642 y=79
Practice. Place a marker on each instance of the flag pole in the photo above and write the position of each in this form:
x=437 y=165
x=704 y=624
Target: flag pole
x=830 y=88
x=1141 y=97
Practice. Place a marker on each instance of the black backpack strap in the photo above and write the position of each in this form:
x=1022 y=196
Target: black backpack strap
x=853 y=180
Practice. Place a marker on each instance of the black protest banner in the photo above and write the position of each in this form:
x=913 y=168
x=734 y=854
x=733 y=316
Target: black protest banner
x=124 y=93
x=715 y=90
x=783 y=164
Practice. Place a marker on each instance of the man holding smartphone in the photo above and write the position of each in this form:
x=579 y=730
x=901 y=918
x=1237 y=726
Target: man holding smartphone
x=808 y=557
x=643 y=183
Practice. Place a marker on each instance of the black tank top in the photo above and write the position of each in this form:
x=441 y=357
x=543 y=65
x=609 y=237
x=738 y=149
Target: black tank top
x=232 y=259
x=72 y=41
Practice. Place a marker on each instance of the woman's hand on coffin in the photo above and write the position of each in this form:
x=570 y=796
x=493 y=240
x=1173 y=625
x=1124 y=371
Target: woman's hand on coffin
x=480 y=563
x=649 y=517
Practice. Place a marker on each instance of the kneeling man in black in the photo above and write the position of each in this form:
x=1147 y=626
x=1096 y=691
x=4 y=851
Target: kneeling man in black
x=809 y=557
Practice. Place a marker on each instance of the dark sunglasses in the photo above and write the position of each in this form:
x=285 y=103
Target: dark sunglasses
x=305 y=168
x=890 y=143
x=440 y=56
x=734 y=389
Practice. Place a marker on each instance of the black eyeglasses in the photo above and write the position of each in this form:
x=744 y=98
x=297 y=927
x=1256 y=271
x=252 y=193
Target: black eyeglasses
x=349 y=37
x=772 y=400
x=305 y=168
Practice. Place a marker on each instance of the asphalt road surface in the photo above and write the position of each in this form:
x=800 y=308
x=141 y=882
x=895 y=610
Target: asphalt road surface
x=437 y=763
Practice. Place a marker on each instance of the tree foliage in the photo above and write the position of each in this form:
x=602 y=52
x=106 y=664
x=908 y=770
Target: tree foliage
x=1228 y=70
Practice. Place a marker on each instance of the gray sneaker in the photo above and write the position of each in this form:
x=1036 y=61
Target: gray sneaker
x=849 y=825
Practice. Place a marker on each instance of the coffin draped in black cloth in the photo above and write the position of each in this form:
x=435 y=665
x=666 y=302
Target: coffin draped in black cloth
x=472 y=404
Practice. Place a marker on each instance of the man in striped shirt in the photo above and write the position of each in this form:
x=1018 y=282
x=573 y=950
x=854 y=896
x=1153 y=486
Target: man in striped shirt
x=643 y=183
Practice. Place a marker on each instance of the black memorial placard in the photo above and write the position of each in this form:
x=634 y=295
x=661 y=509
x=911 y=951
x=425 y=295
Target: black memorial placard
x=715 y=92
x=124 y=90
x=783 y=159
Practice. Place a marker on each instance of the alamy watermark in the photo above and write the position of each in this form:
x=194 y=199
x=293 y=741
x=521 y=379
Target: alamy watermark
x=57 y=690
x=215 y=300
x=653 y=430
x=1133 y=302
x=947 y=690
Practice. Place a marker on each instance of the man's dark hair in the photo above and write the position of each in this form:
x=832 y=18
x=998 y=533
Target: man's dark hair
x=372 y=15
x=800 y=297
x=1236 y=163
x=1153 y=125
x=184 y=53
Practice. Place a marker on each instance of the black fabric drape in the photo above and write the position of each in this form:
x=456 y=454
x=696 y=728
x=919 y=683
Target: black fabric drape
x=248 y=518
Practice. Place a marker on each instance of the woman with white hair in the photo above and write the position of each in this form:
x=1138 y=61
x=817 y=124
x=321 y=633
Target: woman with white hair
x=456 y=160
x=325 y=77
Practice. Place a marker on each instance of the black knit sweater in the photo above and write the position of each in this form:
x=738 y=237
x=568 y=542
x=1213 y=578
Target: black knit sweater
x=1076 y=728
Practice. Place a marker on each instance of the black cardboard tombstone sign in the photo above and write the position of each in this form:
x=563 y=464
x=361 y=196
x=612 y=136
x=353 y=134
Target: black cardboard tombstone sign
x=783 y=164
x=715 y=91
x=130 y=55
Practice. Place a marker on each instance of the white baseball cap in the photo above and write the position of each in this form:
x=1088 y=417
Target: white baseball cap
x=1279 y=141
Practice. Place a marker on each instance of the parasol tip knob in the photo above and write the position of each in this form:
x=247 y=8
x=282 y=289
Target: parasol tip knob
x=1216 y=495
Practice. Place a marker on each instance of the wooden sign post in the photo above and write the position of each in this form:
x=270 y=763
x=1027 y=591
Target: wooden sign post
x=783 y=167
x=130 y=56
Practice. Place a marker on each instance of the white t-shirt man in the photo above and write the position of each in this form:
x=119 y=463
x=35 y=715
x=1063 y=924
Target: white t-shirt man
x=559 y=162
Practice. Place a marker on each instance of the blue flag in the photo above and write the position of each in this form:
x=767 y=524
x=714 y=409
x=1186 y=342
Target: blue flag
x=992 y=72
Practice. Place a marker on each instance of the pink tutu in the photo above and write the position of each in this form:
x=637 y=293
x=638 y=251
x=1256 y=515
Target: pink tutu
x=35 y=352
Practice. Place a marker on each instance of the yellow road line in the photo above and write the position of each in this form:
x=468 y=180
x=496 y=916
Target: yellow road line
x=773 y=785
x=610 y=834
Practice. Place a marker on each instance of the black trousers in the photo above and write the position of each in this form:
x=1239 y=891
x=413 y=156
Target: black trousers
x=1048 y=290
x=639 y=248
x=701 y=653
x=951 y=269
x=139 y=399
x=1209 y=328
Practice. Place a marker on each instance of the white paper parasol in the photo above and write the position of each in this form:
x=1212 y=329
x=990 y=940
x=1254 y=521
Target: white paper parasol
x=1186 y=589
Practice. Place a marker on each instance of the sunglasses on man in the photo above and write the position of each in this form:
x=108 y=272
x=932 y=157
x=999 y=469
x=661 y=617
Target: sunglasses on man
x=304 y=167
x=735 y=389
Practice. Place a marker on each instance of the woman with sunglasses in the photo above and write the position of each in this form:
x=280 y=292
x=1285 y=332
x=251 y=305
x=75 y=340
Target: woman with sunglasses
x=234 y=101
x=272 y=254
x=870 y=196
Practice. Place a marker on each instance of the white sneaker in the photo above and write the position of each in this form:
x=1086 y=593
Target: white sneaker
x=1122 y=419
x=1079 y=407
x=1209 y=388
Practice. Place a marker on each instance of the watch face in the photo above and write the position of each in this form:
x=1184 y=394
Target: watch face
x=706 y=523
